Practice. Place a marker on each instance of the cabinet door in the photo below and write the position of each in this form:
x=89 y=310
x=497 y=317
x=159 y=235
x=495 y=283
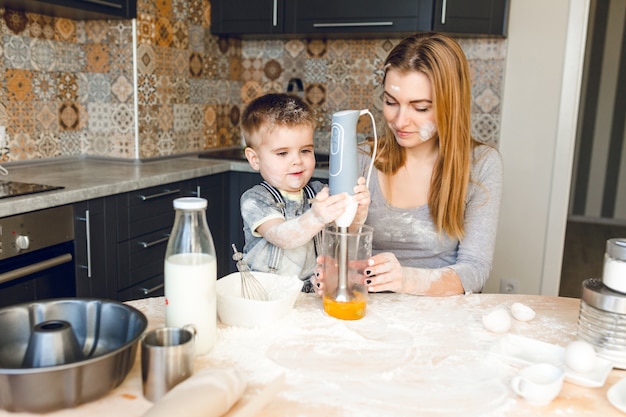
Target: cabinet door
x=482 y=17
x=247 y=16
x=95 y=255
x=239 y=183
x=357 y=16
x=214 y=188
x=77 y=9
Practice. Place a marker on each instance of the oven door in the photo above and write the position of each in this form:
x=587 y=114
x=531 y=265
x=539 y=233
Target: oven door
x=37 y=275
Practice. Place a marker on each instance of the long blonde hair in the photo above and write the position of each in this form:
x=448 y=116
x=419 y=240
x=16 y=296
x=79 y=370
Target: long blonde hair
x=442 y=60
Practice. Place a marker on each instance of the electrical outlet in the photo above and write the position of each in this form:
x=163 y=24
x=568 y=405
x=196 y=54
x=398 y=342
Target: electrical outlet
x=509 y=286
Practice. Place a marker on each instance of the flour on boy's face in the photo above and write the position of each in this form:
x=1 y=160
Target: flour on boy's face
x=285 y=157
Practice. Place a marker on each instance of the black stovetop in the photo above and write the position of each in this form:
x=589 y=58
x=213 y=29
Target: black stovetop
x=14 y=188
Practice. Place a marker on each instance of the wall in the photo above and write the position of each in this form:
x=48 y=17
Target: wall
x=599 y=191
x=70 y=87
x=541 y=97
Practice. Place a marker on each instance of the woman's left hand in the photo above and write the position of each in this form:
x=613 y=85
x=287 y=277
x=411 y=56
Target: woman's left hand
x=384 y=273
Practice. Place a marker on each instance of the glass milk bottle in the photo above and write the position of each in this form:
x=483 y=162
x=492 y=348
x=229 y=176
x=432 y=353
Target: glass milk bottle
x=191 y=273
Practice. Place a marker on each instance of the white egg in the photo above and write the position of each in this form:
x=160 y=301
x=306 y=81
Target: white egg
x=497 y=321
x=522 y=312
x=580 y=356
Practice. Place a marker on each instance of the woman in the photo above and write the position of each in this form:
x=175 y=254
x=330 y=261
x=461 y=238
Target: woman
x=435 y=192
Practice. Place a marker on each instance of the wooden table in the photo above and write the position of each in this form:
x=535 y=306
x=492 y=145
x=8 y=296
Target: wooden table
x=409 y=356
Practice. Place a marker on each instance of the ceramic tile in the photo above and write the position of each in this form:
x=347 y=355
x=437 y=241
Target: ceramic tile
x=96 y=31
x=40 y=26
x=196 y=12
x=71 y=143
x=165 y=143
x=315 y=71
x=67 y=86
x=70 y=116
x=180 y=9
x=122 y=118
x=47 y=145
x=23 y=147
x=180 y=35
x=163 y=32
x=70 y=57
x=16 y=52
x=19 y=84
x=196 y=38
x=15 y=20
x=43 y=55
x=146 y=29
x=100 y=118
x=146 y=89
x=98 y=59
x=196 y=65
x=65 y=29
x=45 y=115
x=122 y=89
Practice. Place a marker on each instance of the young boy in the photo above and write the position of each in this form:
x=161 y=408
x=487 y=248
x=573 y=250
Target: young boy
x=283 y=215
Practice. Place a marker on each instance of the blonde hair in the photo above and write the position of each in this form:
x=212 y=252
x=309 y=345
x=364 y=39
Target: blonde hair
x=442 y=60
x=272 y=110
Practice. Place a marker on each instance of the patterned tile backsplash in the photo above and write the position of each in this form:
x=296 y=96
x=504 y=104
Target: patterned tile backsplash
x=70 y=88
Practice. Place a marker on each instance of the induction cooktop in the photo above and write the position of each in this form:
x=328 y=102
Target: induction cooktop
x=14 y=188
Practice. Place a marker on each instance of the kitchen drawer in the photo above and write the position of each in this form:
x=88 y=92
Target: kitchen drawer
x=141 y=258
x=152 y=287
x=146 y=210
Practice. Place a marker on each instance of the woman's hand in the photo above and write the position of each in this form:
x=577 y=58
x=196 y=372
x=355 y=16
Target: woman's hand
x=362 y=198
x=384 y=273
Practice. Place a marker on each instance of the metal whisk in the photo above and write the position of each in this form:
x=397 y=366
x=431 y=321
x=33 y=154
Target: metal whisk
x=251 y=288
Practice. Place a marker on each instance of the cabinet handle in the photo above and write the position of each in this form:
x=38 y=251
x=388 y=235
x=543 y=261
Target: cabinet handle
x=155 y=242
x=444 y=7
x=147 y=291
x=104 y=3
x=350 y=24
x=157 y=195
x=87 y=221
x=275 y=14
x=34 y=268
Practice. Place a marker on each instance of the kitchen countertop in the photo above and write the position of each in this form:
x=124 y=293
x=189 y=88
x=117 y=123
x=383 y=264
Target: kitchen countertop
x=410 y=355
x=85 y=178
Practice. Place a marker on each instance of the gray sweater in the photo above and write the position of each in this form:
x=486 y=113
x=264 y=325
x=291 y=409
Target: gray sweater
x=411 y=235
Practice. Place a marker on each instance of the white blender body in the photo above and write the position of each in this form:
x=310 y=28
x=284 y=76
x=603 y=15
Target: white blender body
x=343 y=162
x=343 y=176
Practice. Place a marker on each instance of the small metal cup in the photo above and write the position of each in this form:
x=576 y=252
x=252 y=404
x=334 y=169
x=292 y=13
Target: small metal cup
x=166 y=359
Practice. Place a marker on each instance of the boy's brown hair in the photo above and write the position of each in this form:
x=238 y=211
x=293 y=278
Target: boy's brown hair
x=272 y=110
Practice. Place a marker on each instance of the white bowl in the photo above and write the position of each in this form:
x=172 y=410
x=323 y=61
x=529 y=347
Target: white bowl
x=234 y=310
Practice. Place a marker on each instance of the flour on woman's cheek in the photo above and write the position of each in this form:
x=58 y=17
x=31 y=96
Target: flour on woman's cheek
x=427 y=131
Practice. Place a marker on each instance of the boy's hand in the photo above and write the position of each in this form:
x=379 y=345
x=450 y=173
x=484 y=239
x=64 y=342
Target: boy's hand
x=327 y=208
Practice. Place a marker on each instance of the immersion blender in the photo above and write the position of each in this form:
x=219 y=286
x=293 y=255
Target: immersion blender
x=343 y=177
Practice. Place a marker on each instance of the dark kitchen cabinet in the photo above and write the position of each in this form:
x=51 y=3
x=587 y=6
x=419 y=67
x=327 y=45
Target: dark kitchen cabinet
x=357 y=16
x=144 y=221
x=77 y=9
x=348 y=18
x=476 y=17
x=323 y=17
x=95 y=250
x=238 y=17
x=239 y=183
x=215 y=189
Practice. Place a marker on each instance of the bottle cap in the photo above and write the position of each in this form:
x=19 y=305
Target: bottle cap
x=190 y=203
